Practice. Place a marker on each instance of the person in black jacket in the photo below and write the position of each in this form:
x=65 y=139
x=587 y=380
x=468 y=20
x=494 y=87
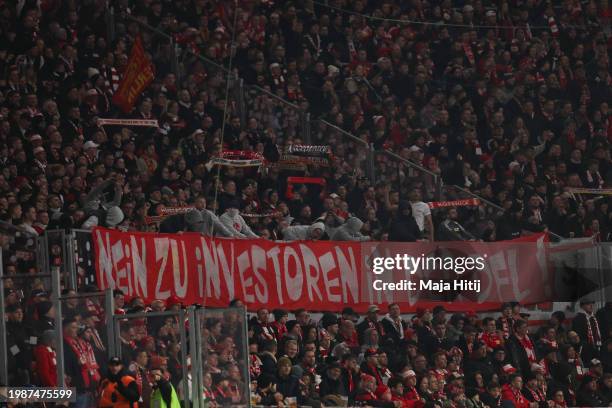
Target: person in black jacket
x=287 y=384
x=404 y=227
x=332 y=382
x=46 y=318
x=451 y=230
x=588 y=396
x=509 y=226
x=393 y=325
x=119 y=385
x=18 y=346
x=520 y=348
x=604 y=318
x=586 y=324
x=268 y=357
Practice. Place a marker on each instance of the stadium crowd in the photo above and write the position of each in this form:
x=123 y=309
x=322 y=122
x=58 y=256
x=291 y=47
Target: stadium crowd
x=507 y=99
x=379 y=358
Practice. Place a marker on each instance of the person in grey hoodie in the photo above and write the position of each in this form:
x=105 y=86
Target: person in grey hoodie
x=350 y=231
x=304 y=232
x=101 y=212
x=233 y=221
x=96 y=199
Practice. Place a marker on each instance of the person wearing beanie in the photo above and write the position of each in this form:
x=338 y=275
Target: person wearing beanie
x=46 y=363
x=403 y=227
x=329 y=322
x=350 y=231
x=304 y=232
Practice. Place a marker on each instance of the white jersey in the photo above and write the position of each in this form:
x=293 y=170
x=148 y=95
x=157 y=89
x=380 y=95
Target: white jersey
x=420 y=210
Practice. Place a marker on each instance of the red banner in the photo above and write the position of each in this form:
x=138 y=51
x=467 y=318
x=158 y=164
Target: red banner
x=317 y=275
x=138 y=74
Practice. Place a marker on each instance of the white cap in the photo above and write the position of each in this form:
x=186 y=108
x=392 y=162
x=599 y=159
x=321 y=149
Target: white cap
x=35 y=137
x=90 y=145
x=92 y=71
x=409 y=373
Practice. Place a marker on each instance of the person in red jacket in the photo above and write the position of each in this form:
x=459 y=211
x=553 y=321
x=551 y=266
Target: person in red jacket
x=46 y=363
x=512 y=392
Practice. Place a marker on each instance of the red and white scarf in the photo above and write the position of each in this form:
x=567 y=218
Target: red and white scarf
x=593 y=333
x=537 y=395
x=87 y=360
x=529 y=348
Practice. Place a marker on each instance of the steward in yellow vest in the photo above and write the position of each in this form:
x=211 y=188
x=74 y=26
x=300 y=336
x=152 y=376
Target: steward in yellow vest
x=164 y=395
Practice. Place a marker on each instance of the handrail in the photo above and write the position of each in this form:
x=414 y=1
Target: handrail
x=484 y=200
x=149 y=26
x=410 y=163
x=352 y=136
x=273 y=95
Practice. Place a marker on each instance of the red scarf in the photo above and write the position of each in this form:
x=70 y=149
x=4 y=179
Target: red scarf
x=411 y=393
x=87 y=360
x=593 y=333
x=529 y=349
x=351 y=383
x=537 y=395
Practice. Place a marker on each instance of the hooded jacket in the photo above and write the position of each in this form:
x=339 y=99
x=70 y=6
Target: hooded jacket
x=95 y=200
x=235 y=224
x=301 y=232
x=350 y=231
x=404 y=227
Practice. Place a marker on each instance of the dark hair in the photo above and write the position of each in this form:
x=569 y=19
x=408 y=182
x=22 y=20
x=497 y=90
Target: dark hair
x=270 y=345
x=393 y=382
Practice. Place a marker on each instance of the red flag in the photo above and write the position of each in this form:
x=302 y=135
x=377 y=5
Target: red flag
x=138 y=74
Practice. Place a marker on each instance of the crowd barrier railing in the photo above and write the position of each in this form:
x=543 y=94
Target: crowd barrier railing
x=23 y=269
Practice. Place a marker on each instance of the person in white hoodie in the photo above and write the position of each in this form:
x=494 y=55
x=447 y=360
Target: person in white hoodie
x=304 y=232
x=350 y=231
x=233 y=221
